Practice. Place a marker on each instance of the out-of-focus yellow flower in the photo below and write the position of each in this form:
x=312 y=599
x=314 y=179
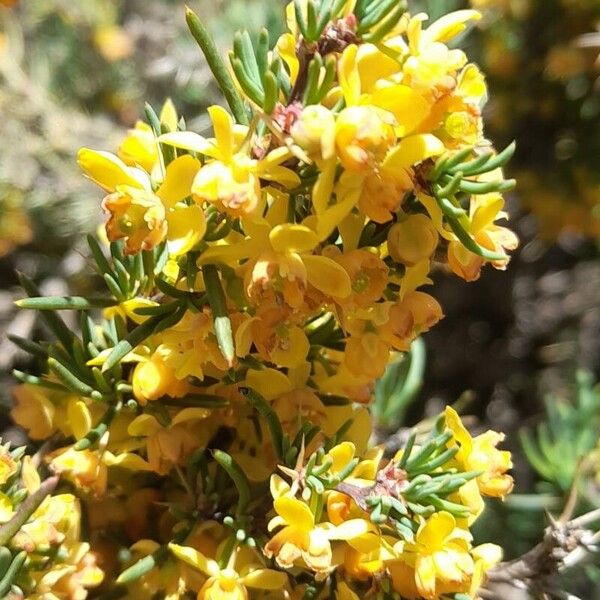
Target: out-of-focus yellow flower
x=15 y=224
x=227 y=583
x=113 y=43
x=72 y=577
x=8 y=466
x=190 y=347
x=34 y=411
x=85 y=468
x=153 y=378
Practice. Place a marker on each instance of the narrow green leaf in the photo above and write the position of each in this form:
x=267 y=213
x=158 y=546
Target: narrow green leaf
x=138 y=335
x=217 y=66
x=70 y=379
x=143 y=566
x=12 y=572
x=265 y=410
x=218 y=304
x=28 y=346
x=237 y=476
x=64 y=303
x=52 y=320
x=470 y=244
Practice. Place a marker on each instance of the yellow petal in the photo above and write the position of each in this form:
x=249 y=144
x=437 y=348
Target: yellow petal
x=79 y=416
x=282 y=175
x=348 y=75
x=486 y=213
x=294 y=512
x=196 y=559
x=265 y=579
x=107 y=170
x=341 y=455
x=349 y=530
x=327 y=276
x=278 y=486
x=168 y=115
x=269 y=383
x=435 y=212
x=186 y=227
x=325 y=223
x=223 y=128
x=243 y=337
x=425 y=576
x=323 y=188
x=29 y=475
x=490 y=554
x=412 y=150
x=415 y=277
x=228 y=254
x=471 y=84
x=407 y=105
x=293 y=238
x=351 y=229
x=143 y=426
x=126 y=460
x=436 y=529
x=450 y=25
x=286 y=48
x=188 y=140
x=179 y=177
x=6 y=508
x=191 y=414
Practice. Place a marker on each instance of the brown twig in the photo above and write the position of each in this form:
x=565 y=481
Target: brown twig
x=566 y=543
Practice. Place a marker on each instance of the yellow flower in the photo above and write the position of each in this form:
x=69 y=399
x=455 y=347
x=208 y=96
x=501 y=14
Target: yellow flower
x=138 y=215
x=34 y=411
x=153 y=378
x=304 y=542
x=85 y=468
x=368 y=276
x=363 y=135
x=227 y=583
x=56 y=521
x=231 y=181
x=481 y=454
x=190 y=347
x=300 y=539
x=169 y=446
x=72 y=577
x=439 y=556
x=314 y=131
x=8 y=466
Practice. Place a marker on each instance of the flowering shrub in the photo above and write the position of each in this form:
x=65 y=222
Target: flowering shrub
x=214 y=424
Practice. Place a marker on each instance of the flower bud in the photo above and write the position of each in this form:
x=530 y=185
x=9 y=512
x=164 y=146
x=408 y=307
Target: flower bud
x=412 y=240
x=314 y=131
x=425 y=309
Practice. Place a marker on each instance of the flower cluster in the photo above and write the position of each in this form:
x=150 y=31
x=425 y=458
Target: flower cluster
x=261 y=280
x=41 y=551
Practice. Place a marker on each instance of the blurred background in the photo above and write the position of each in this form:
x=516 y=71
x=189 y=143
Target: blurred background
x=521 y=349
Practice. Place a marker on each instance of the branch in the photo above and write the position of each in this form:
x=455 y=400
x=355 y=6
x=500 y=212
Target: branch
x=566 y=544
